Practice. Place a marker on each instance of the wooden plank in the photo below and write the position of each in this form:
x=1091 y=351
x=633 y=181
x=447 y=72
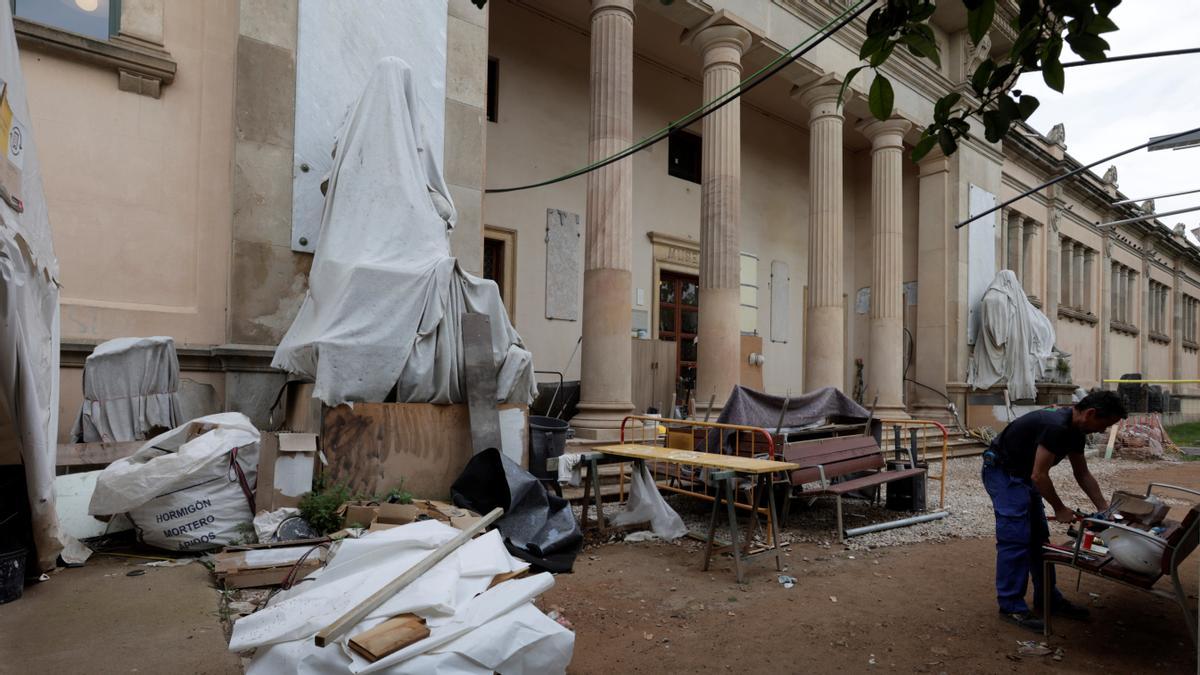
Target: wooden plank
x=708 y=459
x=1112 y=440
x=642 y=371
x=79 y=454
x=390 y=636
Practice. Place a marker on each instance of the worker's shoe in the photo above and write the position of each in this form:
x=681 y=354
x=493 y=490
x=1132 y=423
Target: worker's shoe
x=1024 y=619
x=1067 y=610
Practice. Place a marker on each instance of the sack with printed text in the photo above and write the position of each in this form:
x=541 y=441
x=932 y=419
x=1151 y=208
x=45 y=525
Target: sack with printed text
x=189 y=489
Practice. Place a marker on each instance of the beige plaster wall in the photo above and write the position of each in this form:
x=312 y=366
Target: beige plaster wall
x=138 y=189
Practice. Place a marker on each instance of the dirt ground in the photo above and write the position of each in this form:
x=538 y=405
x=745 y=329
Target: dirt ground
x=648 y=608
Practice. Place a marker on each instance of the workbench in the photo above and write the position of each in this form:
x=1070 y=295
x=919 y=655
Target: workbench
x=725 y=472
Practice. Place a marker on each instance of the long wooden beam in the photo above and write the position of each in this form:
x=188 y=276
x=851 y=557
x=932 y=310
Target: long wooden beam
x=79 y=454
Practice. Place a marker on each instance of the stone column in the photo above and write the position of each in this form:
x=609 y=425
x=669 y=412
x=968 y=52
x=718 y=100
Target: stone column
x=1064 y=267
x=1177 y=327
x=1142 y=284
x=824 y=348
x=1106 y=306
x=1114 y=286
x=1053 y=273
x=1123 y=293
x=1088 y=302
x=885 y=357
x=719 y=358
x=937 y=268
x=1015 y=240
x=1028 y=269
x=1077 y=275
x=606 y=357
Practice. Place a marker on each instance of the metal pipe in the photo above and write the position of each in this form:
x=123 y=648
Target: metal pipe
x=1171 y=194
x=1152 y=216
x=892 y=524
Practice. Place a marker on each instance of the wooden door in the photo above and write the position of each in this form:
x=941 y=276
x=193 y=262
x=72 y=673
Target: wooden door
x=678 y=322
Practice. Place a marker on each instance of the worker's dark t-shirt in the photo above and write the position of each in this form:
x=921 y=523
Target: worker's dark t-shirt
x=1017 y=445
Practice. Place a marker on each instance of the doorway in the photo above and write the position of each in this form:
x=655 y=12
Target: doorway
x=678 y=322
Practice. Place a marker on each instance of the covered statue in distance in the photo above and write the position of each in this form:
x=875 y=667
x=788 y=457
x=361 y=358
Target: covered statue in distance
x=385 y=298
x=1015 y=341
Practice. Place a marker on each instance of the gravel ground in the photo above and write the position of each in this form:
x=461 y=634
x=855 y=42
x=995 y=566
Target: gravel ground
x=968 y=503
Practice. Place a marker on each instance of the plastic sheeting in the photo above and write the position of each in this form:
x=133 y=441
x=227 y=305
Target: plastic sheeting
x=537 y=526
x=385 y=298
x=130 y=387
x=473 y=629
x=1015 y=341
x=29 y=328
x=186 y=493
x=646 y=504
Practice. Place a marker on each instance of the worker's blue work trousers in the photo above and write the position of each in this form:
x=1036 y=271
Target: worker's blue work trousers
x=1020 y=532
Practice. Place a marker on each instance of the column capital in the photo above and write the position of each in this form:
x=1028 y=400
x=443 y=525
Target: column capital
x=887 y=133
x=724 y=42
x=821 y=97
x=599 y=6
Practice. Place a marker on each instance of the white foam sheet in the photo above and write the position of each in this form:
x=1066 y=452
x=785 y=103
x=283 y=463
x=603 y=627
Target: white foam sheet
x=473 y=629
x=385 y=298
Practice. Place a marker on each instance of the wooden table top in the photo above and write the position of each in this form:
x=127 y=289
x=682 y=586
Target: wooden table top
x=709 y=459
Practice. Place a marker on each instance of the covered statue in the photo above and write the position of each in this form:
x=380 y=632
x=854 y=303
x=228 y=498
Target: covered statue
x=1015 y=341
x=385 y=297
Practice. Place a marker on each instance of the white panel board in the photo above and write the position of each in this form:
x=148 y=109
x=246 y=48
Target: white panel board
x=780 y=300
x=981 y=252
x=339 y=44
x=563 y=259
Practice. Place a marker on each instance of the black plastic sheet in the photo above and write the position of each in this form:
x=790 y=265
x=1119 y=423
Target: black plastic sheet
x=538 y=527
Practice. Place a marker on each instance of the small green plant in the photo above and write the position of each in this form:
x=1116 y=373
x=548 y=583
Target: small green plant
x=398 y=495
x=1063 y=367
x=320 y=507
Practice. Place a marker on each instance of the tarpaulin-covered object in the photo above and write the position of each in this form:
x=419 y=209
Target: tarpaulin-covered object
x=130 y=387
x=537 y=526
x=189 y=489
x=385 y=298
x=826 y=405
x=29 y=328
x=1015 y=343
x=474 y=629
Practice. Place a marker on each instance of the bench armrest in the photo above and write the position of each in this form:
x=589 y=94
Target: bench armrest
x=821 y=471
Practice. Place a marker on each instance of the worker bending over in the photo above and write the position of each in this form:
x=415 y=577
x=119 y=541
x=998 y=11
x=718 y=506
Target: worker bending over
x=1016 y=474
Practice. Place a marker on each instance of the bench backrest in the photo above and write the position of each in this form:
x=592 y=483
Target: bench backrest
x=839 y=456
x=1183 y=540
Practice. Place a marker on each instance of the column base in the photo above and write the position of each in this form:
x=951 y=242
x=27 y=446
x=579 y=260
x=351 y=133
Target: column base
x=601 y=421
x=891 y=412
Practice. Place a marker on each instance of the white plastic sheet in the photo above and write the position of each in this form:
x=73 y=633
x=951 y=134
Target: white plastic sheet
x=1015 y=341
x=130 y=386
x=185 y=494
x=473 y=629
x=646 y=504
x=29 y=328
x=385 y=298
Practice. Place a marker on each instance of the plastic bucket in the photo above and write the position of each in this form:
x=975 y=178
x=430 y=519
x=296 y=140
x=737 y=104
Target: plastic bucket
x=12 y=575
x=547 y=438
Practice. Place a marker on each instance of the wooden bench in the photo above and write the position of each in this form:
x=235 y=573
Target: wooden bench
x=822 y=461
x=1181 y=540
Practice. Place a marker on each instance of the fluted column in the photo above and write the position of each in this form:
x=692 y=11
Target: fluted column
x=824 y=348
x=1123 y=294
x=1028 y=269
x=1015 y=241
x=1176 y=329
x=719 y=357
x=1088 y=303
x=1064 y=266
x=606 y=357
x=885 y=358
x=1077 y=275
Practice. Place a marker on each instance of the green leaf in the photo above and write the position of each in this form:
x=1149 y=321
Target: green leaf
x=882 y=98
x=1052 y=74
x=923 y=46
x=1001 y=75
x=923 y=146
x=872 y=45
x=1090 y=47
x=922 y=11
x=1101 y=24
x=946 y=142
x=1027 y=105
x=983 y=74
x=846 y=82
x=882 y=55
x=994 y=126
x=979 y=20
x=944 y=104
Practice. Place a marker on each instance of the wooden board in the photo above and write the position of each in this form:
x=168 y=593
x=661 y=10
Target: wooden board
x=390 y=636
x=375 y=446
x=653 y=373
x=708 y=459
x=233 y=570
x=81 y=454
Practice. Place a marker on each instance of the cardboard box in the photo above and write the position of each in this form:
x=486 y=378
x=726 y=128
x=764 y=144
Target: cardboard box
x=285 y=469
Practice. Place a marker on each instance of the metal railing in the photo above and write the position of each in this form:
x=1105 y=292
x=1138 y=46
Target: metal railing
x=919 y=433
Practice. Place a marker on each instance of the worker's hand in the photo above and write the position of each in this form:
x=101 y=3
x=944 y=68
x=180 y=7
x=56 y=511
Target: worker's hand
x=1064 y=515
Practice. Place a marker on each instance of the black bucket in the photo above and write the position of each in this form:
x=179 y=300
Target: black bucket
x=12 y=575
x=547 y=438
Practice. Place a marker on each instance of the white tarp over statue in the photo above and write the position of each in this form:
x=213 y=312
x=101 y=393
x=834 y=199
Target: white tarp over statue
x=385 y=298
x=1015 y=342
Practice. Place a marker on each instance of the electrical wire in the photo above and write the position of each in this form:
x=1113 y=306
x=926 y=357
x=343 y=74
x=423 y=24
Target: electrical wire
x=1058 y=179
x=756 y=78
x=1127 y=57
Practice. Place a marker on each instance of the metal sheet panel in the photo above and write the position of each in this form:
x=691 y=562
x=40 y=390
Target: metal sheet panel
x=780 y=300
x=562 y=265
x=981 y=252
x=339 y=43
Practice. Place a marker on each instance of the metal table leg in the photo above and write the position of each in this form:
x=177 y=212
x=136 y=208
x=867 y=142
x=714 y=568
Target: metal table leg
x=730 y=486
x=773 y=518
x=594 y=473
